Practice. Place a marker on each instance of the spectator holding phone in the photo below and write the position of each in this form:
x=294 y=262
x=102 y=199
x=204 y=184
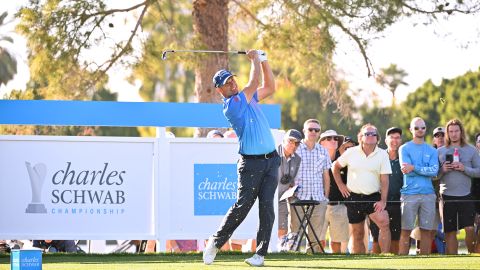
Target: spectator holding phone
x=456 y=205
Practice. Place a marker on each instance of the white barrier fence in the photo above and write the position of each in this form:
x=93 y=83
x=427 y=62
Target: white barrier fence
x=55 y=187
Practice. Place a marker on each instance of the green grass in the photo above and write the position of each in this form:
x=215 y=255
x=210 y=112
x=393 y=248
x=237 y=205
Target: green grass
x=235 y=261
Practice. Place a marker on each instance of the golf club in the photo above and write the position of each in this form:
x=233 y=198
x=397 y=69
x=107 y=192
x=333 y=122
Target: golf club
x=164 y=53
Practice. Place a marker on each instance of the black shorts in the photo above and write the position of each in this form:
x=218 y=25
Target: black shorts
x=476 y=193
x=360 y=206
x=395 y=215
x=458 y=212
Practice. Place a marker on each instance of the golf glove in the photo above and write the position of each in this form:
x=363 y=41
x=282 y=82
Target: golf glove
x=262 y=56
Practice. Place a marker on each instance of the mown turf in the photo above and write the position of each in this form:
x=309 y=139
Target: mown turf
x=235 y=261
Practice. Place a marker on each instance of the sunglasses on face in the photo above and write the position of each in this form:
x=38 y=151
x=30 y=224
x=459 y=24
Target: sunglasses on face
x=294 y=142
x=330 y=138
x=314 y=129
x=370 y=134
x=439 y=135
x=422 y=128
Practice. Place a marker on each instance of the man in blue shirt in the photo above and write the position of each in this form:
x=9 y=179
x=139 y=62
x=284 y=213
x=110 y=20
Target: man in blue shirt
x=419 y=164
x=259 y=161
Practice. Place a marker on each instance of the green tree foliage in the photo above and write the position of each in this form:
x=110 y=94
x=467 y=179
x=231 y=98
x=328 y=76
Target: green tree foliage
x=303 y=34
x=454 y=98
x=169 y=25
x=300 y=104
x=55 y=41
x=300 y=37
x=56 y=69
x=8 y=63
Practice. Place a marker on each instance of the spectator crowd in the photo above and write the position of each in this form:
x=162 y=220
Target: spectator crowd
x=377 y=200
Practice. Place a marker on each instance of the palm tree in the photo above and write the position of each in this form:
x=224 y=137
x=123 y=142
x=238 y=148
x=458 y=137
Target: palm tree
x=8 y=64
x=391 y=78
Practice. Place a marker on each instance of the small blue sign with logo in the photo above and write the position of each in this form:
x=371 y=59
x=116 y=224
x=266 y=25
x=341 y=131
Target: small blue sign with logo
x=26 y=259
x=215 y=188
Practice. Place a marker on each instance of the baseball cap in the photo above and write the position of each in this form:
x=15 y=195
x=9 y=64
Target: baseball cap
x=329 y=133
x=393 y=130
x=293 y=134
x=221 y=77
x=348 y=139
x=214 y=132
x=438 y=129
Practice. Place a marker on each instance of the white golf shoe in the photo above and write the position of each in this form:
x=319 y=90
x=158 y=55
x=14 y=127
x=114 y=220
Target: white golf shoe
x=210 y=252
x=255 y=260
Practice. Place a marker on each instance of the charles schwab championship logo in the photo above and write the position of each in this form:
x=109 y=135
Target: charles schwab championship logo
x=37 y=175
x=73 y=191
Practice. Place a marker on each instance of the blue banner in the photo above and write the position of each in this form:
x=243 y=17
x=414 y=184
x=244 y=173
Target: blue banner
x=121 y=114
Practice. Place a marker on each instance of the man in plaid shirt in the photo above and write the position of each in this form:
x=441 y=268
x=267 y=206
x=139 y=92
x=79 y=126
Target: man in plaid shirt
x=313 y=179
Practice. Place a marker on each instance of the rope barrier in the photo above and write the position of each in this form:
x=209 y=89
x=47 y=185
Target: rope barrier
x=346 y=202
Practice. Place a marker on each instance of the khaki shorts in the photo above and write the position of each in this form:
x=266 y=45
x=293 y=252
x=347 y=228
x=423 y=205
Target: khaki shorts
x=421 y=205
x=336 y=220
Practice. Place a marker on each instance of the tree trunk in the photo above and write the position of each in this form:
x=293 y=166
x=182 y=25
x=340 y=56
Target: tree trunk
x=210 y=25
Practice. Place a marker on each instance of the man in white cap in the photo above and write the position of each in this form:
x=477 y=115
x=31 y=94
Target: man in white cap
x=438 y=137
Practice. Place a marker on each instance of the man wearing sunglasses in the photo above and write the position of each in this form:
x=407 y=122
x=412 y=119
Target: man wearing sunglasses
x=287 y=173
x=393 y=140
x=367 y=187
x=336 y=219
x=313 y=179
x=438 y=137
x=419 y=165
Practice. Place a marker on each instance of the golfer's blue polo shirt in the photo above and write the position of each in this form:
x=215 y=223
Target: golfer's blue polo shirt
x=250 y=124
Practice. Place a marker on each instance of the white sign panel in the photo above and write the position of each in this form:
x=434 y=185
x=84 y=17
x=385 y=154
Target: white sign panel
x=198 y=189
x=76 y=187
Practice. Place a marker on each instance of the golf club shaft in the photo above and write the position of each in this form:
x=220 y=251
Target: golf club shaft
x=164 y=53
x=206 y=51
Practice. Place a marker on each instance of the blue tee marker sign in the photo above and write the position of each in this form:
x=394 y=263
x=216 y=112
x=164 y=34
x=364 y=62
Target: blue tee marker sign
x=215 y=188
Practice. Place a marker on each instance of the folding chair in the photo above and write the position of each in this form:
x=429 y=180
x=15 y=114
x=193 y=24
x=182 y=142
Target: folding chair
x=307 y=207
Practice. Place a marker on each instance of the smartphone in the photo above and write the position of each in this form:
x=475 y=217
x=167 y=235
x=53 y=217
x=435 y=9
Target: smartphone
x=449 y=158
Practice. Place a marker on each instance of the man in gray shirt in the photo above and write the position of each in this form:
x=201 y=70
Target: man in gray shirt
x=287 y=173
x=460 y=162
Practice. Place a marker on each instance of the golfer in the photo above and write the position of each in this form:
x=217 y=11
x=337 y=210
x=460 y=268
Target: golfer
x=258 y=163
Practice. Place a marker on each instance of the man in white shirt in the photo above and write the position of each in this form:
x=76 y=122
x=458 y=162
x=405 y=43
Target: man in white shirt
x=367 y=187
